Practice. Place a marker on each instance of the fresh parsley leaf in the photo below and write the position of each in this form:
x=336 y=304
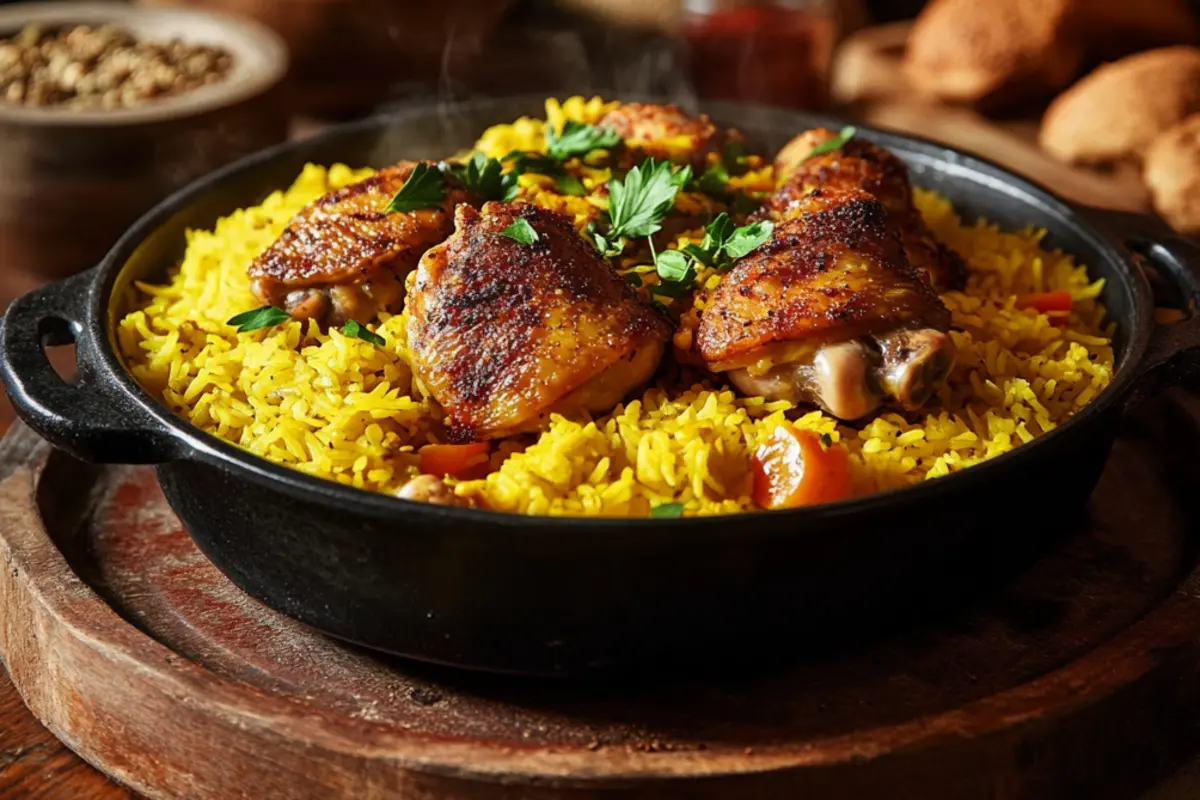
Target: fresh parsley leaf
x=826 y=440
x=677 y=273
x=829 y=145
x=531 y=162
x=667 y=511
x=484 y=177
x=579 y=138
x=521 y=232
x=608 y=246
x=723 y=243
x=638 y=204
x=569 y=185
x=715 y=180
x=423 y=189
x=265 y=317
x=633 y=278
x=674 y=289
x=746 y=238
x=708 y=252
x=672 y=265
x=356 y=331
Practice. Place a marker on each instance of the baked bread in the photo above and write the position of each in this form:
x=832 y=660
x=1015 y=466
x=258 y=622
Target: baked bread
x=973 y=51
x=994 y=52
x=1116 y=111
x=1172 y=173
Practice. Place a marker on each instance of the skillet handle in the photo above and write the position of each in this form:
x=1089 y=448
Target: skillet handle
x=85 y=418
x=1171 y=263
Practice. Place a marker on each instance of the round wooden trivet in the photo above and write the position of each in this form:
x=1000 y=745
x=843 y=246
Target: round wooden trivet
x=1079 y=677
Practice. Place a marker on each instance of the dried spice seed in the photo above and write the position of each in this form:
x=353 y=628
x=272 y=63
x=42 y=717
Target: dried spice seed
x=106 y=67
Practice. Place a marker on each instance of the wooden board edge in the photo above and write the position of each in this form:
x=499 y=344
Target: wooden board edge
x=62 y=645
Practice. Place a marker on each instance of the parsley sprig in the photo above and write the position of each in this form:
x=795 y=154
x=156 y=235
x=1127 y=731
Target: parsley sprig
x=356 y=331
x=579 y=139
x=723 y=244
x=521 y=232
x=423 y=189
x=714 y=181
x=836 y=143
x=265 y=317
x=484 y=177
x=638 y=203
x=667 y=511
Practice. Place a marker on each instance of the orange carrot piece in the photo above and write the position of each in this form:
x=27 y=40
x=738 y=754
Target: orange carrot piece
x=466 y=461
x=793 y=468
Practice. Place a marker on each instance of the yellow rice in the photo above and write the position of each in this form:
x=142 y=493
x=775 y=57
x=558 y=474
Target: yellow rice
x=345 y=410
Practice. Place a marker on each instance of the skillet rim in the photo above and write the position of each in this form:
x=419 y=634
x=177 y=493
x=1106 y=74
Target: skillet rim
x=192 y=444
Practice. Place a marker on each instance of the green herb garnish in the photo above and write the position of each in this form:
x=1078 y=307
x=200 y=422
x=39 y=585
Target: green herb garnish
x=715 y=180
x=265 y=317
x=544 y=165
x=672 y=265
x=723 y=243
x=356 y=331
x=667 y=511
x=746 y=238
x=569 y=185
x=826 y=440
x=521 y=232
x=638 y=203
x=484 y=177
x=579 y=139
x=829 y=145
x=423 y=189
x=634 y=279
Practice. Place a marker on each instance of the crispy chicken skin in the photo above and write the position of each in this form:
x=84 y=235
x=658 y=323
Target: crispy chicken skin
x=502 y=334
x=858 y=164
x=666 y=131
x=829 y=311
x=342 y=257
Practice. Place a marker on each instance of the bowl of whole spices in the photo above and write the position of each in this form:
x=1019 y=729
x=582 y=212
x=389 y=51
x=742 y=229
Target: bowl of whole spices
x=105 y=108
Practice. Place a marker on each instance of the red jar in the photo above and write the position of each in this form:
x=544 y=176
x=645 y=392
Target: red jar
x=775 y=52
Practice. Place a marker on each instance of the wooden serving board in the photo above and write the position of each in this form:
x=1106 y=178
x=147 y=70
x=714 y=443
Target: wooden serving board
x=1076 y=675
x=868 y=81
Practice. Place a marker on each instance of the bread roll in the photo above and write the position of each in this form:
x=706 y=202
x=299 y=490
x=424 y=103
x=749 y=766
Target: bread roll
x=1172 y=173
x=1115 y=112
x=972 y=50
x=991 y=52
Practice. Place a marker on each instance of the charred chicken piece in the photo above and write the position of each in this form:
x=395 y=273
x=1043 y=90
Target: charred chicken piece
x=829 y=311
x=667 y=133
x=503 y=333
x=858 y=164
x=344 y=258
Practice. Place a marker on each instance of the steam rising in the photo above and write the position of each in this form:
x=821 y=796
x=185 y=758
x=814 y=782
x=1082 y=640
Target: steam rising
x=547 y=58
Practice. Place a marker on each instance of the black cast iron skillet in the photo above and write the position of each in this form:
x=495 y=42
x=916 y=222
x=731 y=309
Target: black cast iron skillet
x=547 y=596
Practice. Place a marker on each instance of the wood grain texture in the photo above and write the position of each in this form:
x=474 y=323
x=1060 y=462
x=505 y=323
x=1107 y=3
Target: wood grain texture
x=135 y=651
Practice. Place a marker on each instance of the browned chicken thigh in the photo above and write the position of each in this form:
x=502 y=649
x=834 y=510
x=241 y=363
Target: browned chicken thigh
x=666 y=131
x=343 y=257
x=504 y=333
x=858 y=164
x=829 y=311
